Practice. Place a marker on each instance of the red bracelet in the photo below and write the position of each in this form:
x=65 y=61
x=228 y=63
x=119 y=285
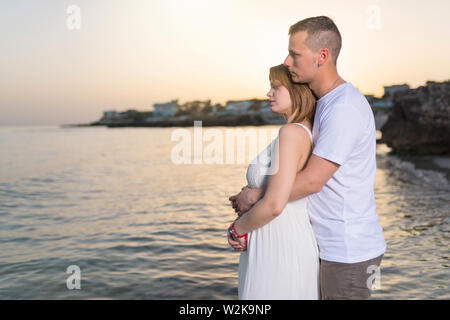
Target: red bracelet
x=233 y=232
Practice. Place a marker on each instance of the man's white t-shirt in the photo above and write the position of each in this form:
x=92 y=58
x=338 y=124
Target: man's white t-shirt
x=343 y=214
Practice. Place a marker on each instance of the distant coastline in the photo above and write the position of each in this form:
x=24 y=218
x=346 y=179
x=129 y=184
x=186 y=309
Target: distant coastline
x=235 y=113
x=412 y=121
x=381 y=117
x=207 y=121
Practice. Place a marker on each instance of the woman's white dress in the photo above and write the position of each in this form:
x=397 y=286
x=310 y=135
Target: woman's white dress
x=282 y=257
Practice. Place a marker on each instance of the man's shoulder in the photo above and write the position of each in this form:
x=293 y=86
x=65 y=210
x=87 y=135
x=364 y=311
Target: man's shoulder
x=349 y=102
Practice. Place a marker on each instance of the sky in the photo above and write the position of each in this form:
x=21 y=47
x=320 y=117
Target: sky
x=132 y=54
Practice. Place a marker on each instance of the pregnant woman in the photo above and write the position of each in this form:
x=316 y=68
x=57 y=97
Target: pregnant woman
x=279 y=258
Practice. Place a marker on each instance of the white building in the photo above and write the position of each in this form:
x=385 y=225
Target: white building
x=237 y=107
x=165 y=110
x=110 y=115
x=389 y=91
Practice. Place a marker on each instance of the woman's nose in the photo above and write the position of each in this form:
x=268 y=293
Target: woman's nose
x=269 y=93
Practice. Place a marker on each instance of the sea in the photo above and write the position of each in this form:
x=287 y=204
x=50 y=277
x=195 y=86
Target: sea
x=141 y=213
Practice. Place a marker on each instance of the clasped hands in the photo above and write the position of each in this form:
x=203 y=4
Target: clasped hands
x=241 y=203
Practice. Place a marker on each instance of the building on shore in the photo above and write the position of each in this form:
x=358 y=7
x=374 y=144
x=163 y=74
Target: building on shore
x=386 y=101
x=238 y=107
x=110 y=115
x=389 y=91
x=165 y=110
x=130 y=113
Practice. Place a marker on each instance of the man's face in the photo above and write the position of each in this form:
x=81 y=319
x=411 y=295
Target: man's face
x=301 y=61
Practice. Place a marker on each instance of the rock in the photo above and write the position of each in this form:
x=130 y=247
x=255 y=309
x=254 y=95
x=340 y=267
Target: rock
x=419 y=122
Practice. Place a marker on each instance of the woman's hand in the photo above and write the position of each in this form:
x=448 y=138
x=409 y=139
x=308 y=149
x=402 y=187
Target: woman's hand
x=244 y=200
x=238 y=243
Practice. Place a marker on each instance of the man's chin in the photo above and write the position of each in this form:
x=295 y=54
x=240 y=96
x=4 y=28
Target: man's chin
x=298 y=79
x=295 y=78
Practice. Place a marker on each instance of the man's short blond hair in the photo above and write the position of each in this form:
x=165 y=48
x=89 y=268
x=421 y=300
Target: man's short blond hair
x=322 y=33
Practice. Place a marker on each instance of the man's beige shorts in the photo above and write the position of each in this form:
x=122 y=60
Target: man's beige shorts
x=347 y=280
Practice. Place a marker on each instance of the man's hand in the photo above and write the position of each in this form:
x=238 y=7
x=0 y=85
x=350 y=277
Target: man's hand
x=244 y=200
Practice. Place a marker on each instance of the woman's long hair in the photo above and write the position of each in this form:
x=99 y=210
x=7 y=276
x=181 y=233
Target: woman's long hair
x=303 y=100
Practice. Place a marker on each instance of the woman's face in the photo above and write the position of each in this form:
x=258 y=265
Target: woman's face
x=279 y=99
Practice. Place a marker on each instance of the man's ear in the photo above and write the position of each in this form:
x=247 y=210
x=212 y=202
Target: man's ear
x=324 y=55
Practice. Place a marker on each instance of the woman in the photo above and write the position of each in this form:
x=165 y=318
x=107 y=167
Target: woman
x=280 y=258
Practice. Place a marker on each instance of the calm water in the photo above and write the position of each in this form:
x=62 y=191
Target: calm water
x=112 y=202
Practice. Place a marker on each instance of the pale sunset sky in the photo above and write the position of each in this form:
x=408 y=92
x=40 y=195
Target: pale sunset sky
x=132 y=54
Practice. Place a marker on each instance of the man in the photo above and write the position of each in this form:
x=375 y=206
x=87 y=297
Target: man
x=340 y=174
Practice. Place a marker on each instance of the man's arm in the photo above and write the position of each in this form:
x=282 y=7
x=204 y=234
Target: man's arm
x=313 y=177
x=308 y=181
x=334 y=143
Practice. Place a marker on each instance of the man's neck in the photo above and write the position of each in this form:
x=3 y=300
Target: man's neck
x=325 y=83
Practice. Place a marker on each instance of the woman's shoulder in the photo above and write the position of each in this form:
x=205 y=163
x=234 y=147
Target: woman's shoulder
x=296 y=128
x=295 y=131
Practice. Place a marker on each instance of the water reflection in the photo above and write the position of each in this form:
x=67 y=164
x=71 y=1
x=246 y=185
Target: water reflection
x=141 y=227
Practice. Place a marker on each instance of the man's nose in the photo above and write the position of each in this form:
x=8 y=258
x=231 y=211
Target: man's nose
x=287 y=61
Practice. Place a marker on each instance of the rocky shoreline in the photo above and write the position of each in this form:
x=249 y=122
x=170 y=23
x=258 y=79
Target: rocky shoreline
x=207 y=121
x=212 y=121
x=228 y=121
x=419 y=122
